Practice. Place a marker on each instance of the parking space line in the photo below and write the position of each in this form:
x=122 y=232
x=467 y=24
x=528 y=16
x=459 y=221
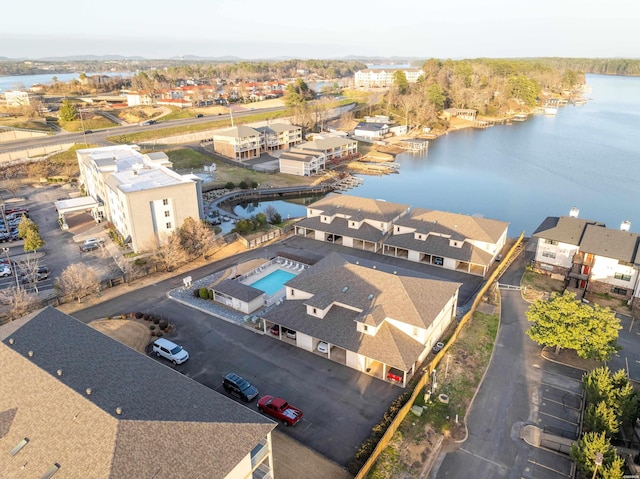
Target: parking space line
x=559 y=388
x=562 y=403
x=535 y=463
x=501 y=466
x=309 y=422
x=559 y=418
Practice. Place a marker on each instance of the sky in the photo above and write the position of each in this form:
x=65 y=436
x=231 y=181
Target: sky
x=252 y=29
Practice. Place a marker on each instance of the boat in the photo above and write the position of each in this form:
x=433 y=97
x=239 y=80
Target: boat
x=550 y=110
x=520 y=117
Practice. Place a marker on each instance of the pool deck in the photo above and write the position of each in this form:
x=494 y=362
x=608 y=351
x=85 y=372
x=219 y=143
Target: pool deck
x=185 y=295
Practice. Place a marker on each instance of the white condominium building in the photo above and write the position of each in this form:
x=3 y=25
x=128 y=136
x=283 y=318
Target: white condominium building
x=139 y=194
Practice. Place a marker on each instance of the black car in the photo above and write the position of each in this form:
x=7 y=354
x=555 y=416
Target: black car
x=199 y=115
x=89 y=247
x=40 y=274
x=234 y=384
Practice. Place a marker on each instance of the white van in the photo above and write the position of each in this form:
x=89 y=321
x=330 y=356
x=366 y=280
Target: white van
x=171 y=351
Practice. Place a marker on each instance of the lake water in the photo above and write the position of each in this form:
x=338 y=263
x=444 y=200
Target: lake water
x=586 y=156
x=25 y=81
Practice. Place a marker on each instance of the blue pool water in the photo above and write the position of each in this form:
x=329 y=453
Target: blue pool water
x=273 y=282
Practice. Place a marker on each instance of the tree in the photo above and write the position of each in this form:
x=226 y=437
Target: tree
x=29 y=269
x=585 y=450
x=78 y=280
x=524 y=89
x=20 y=302
x=562 y=322
x=68 y=111
x=601 y=418
x=436 y=96
x=196 y=237
x=29 y=232
x=169 y=253
x=271 y=213
x=400 y=81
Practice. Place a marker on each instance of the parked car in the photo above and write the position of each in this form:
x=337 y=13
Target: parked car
x=280 y=410
x=275 y=330
x=242 y=388
x=5 y=270
x=323 y=347
x=89 y=247
x=98 y=241
x=291 y=334
x=40 y=274
x=169 y=350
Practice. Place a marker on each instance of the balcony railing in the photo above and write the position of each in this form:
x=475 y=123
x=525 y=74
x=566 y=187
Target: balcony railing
x=259 y=453
x=263 y=472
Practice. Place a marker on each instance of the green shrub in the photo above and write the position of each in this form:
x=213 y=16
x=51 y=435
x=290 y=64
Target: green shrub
x=229 y=185
x=204 y=293
x=152 y=327
x=159 y=334
x=138 y=315
x=210 y=294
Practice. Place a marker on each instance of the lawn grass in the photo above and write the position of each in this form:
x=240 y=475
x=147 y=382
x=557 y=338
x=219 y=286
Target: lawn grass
x=26 y=124
x=179 y=114
x=95 y=123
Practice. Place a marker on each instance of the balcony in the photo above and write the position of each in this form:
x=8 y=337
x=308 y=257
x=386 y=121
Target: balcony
x=263 y=472
x=259 y=453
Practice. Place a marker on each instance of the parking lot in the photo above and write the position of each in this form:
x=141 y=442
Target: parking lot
x=61 y=248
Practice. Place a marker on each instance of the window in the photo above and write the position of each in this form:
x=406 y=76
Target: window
x=167 y=214
x=549 y=254
x=165 y=202
x=623 y=277
x=553 y=242
x=397 y=229
x=169 y=225
x=365 y=328
x=620 y=291
x=315 y=311
x=415 y=331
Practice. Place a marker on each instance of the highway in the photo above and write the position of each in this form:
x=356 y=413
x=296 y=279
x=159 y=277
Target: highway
x=100 y=136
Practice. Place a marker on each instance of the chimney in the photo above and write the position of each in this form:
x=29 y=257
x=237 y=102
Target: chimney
x=625 y=225
x=574 y=212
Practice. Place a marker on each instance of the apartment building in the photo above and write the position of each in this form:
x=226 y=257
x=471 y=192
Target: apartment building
x=77 y=403
x=589 y=257
x=384 y=77
x=139 y=194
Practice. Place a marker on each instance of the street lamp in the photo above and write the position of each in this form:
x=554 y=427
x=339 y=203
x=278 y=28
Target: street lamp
x=13 y=270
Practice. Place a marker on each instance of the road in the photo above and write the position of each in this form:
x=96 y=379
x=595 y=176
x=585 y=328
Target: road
x=511 y=395
x=100 y=136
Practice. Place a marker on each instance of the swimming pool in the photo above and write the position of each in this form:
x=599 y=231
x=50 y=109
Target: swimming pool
x=273 y=282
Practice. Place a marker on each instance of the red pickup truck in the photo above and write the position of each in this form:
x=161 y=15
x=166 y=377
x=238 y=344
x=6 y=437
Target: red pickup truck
x=279 y=409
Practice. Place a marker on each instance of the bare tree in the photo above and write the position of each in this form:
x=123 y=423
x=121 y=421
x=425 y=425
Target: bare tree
x=169 y=253
x=196 y=237
x=19 y=300
x=78 y=280
x=38 y=169
x=29 y=271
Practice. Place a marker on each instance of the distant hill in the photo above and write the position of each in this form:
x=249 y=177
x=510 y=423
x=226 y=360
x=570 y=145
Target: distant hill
x=92 y=58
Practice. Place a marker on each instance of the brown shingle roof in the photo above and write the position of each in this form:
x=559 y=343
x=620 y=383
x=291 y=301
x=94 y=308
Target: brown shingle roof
x=565 y=229
x=367 y=294
x=236 y=289
x=340 y=227
x=359 y=208
x=610 y=243
x=457 y=226
x=169 y=424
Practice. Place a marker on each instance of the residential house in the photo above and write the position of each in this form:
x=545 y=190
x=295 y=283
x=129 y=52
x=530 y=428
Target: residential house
x=334 y=148
x=280 y=136
x=372 y=319
x=371 y=131
x=140 y=195
x=175 y=102
x=590 y=257
x=77 y=403
x=301 y=162
x=239 y=143
x=453 y=241
x=141 y=98
x=351 y=221
x=464 y=113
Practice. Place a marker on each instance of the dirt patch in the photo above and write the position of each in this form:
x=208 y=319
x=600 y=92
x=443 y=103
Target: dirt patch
x=133 y=333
